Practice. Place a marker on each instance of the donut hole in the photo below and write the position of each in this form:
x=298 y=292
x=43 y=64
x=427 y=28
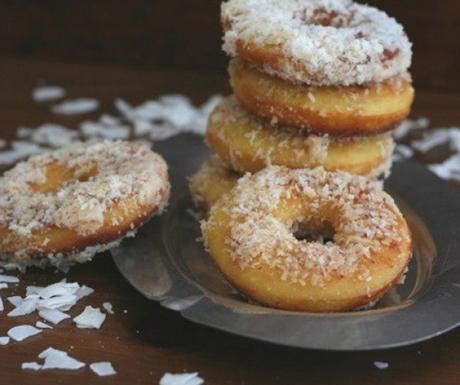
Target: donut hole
x=57 y=175
x=313 y=231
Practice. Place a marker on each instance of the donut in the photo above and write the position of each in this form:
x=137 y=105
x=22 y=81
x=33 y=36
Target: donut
x=210 y=182
x=317 y=42
x=247 y=144
x=66 y=205
x=335 y=110
x=308 y=239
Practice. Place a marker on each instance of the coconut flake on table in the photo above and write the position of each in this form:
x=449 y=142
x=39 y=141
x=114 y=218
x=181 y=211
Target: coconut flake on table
x=108 y=307
x=91 y=129
x=439 y=136
x=58 y=359
x=62 y=302
x=449 y=169
x=409 y=125
x=1 y=304
x=42 y=325
x=19 y=150
x=103 y=368
x=31 y=366
x=21 y=332
x=167 y=116
x=8 y=278
x=50 y=134
x=27 y=306
x=52 y=315
x=4 y=340
x=90 y=318
x=83 y=291
x=3 y=285
x=381 y=365
x=58 y=289
x=47 y=93
x=181 y=379
x=15 y=300
x=402 y=152
x=76 y=106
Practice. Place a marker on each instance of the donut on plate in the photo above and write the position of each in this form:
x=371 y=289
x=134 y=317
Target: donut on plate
x=337 y=110
x=210 y=182
x=65 y=206
x=247 y=144
x=308 y=240
x=316 y=42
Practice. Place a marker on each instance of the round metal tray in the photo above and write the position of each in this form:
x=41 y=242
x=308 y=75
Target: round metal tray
x=167 y=263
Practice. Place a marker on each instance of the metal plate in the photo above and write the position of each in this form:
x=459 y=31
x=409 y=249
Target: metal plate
x=166 y=263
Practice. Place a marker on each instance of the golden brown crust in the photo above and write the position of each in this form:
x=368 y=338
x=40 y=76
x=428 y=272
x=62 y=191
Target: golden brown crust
x=210 y=182
x=78 y=201
x=344 y=111
x=249 y=235
x=247 y=144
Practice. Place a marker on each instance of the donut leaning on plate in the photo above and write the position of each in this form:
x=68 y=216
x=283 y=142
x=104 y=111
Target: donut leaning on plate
x=66 y=205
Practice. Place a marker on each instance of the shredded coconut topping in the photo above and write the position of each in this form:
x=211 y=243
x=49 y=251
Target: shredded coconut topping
x=104 y=174
x=273 y=139
x=363 y=217
x=321 y=42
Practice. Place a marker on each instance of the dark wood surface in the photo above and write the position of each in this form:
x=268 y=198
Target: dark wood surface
x=147 y=340
x=187 y=34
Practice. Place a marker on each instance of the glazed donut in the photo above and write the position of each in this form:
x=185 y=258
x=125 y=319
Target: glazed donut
x=317 y=42
x=246 y=144
x=210 y=182
x=353 y=110
x=64 y=206
x=269 y=235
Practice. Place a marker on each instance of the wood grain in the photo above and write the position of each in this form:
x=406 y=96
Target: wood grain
x=147 y=340
x=187 y=34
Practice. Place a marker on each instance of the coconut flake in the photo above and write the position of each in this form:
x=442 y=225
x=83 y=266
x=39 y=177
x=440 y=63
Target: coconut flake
x=409 y=125
x=49 y=134
x=52 y=315
x=21 y=332
x=42 y=325
x=92 y=129
x=103 y=368
x=181 y=379
x=108 y=307
x=8 y=279
x=31 y=366
x=58 y=289
x=3 y=286
x=62 y=302
x=19 y=150
x=30 y=290
x=83 y=291
x=381 y=365
x=76 y=106
x=58 y=359
x=47 y=93
x=4 y=340
x=15 y=300
x=27 y=306
x=90 y=318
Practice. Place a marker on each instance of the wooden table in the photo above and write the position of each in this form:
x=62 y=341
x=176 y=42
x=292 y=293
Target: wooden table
x=142 y=339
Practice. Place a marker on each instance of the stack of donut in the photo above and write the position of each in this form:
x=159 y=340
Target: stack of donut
x=316 y=83
x=318 y=87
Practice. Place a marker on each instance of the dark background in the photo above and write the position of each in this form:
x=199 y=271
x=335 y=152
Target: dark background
x=186 y=34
